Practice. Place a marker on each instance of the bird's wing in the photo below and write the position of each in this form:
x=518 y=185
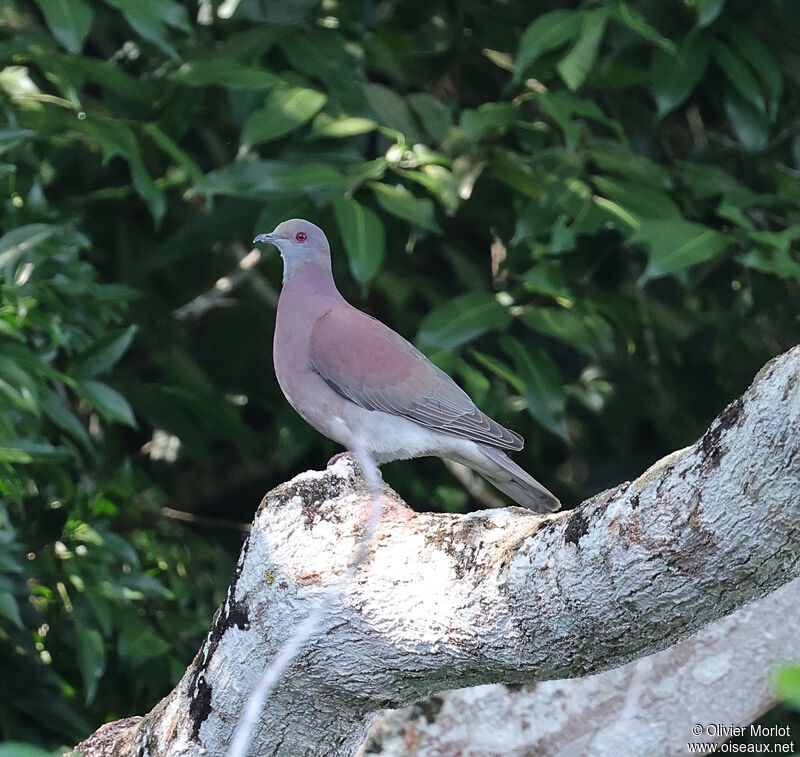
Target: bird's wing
x=371 y=365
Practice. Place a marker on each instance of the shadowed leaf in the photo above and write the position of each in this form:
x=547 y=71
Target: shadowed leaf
x=547 y=32
x=397 y=200
x=69 y=20
x=108 y=402
x=284 y=111
x=675 y=75
x=363 y=236
x=461 y=320
x=575 y=66
x=675 y=245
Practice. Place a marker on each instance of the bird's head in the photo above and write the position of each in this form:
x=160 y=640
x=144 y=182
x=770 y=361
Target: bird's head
x=298 y=242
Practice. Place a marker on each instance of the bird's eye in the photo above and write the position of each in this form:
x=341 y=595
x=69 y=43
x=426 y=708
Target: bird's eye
x=301 y=236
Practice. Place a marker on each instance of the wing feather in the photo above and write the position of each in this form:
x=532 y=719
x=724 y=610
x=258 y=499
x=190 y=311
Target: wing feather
x=371 y=365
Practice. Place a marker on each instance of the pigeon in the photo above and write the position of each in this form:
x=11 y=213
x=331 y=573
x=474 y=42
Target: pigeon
x=363 y=385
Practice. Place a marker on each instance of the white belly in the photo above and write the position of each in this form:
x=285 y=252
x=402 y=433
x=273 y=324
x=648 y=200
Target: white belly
x=391 y=437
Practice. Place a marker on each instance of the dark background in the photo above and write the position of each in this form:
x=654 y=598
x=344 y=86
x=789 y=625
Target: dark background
x=586 y=213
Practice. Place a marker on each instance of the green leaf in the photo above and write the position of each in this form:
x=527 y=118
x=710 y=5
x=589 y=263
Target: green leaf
x=461 y=320
x=489 y=116
x=15 y=455
x=25 y=451
x=587 y=332
x=91 y=654
x=345 y=126
x=547 y=32
x=787 y=686
x=370 y=170
x=145 y=585
x=225 y=72
x=103 y=610
x=761 y=60
x=16 y=242
x=108 y=402
x=435 y=116
x=774 y=253
x=504 y=61
x=56 y=409
x=391 y=110
x=150 y=19
x=117 y=138
x=78 y=69
x=708 y=11
x=568 y=110
x=575 y=66
x=103 y=354
x=739 y=75
x=499 y=369
x=9 y=609
x=515 y=171
x=11 y=137
x=707 y=181
x=749 y=125
x=476 y=383
x=675 y=75
x=616 y=157
x=400 y=202
x=68 y=20
x=330 y=57
x=776 y=261
x=252 y=177
x=675 y=245
x=363 y=236
x=171 y=148
x=548 y=280
x=542 y=384
x=19 y=749
x=639 y=200
x=19 y=387
x=140 y=642
x=637 y=23
x=284 y=111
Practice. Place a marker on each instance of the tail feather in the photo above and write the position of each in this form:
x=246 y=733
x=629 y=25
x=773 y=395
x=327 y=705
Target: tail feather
x=504 y=474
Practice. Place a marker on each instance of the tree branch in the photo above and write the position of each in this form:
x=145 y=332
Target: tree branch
x=719 y=676
x=446 y=601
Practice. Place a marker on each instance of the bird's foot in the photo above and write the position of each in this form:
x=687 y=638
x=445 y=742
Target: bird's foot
x=349 y=453
x=337 y=456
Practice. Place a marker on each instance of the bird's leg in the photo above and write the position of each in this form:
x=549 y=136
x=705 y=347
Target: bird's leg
x=352 y=454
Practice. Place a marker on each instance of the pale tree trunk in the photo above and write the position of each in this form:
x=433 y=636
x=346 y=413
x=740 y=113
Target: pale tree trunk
x=717 y=680
x=499 y=596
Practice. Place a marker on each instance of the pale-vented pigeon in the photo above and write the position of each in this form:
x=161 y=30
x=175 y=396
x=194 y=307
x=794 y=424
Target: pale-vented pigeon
x=358 y=382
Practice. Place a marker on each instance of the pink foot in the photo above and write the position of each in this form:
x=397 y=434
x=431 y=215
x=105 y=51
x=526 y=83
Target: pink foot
x=336 y=457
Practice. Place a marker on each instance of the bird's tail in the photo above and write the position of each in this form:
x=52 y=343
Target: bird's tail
x=502 y=472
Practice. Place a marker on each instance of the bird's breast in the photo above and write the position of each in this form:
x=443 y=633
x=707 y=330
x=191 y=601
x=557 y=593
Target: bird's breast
x=290 y=354
x=300 y=305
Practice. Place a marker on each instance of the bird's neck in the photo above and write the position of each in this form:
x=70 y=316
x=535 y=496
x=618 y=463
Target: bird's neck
x=306 y=295
x=295 y=265
x=311 y=282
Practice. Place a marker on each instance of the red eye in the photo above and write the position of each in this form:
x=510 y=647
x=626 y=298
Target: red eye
x=301 y=236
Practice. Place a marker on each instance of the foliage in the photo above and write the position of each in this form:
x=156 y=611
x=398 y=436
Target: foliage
x=588 y=211
x=787 y=684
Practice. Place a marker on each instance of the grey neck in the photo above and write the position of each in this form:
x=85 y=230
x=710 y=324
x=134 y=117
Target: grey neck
x=293 y=263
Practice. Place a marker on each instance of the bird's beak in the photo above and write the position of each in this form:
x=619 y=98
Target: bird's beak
x=265 y=239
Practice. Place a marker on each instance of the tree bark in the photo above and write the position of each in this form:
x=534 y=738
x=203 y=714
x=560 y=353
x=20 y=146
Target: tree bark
x=716 y=681
x=500 y=596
